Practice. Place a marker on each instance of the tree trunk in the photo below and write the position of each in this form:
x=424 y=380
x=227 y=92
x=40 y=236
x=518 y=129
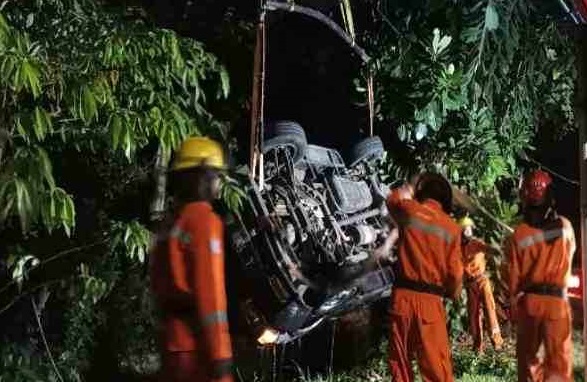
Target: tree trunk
x=158 y=204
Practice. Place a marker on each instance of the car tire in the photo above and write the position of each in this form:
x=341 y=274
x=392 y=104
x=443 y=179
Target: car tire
x=368 y=149
x=286 y=134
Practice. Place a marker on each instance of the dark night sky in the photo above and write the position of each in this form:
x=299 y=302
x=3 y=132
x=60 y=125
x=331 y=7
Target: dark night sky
x=562 y=156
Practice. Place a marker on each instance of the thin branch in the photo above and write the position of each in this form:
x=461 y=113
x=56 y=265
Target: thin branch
x=46 y=284
x=56 y=256
x=469 y=203
x=42 y=331
x=396 y=31
x=21 y=295
x=525 y=157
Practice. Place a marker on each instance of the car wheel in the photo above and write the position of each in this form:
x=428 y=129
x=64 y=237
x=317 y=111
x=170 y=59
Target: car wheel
x=286 y=134
x=368 y=149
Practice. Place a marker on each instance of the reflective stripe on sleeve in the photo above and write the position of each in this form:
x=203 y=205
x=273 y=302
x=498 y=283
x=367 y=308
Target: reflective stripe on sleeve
x=214 y=318
x=430 y=228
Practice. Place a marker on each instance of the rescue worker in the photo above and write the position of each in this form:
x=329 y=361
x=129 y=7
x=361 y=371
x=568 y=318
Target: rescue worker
x=479 y=291
x=540 y=254
x=187 y=271
x=430 y=268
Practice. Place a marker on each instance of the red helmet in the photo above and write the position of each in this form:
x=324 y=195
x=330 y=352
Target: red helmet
x=535 y=188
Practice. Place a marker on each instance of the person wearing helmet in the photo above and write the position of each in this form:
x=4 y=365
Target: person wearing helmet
x=478 y=286
x=187 y=271
x=539 y=256
x=430 y=268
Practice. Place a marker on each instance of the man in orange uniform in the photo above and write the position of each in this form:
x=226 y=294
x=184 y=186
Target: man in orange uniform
x=478 y=287
x=429 y=255
x=539 y=261
x=187 y=272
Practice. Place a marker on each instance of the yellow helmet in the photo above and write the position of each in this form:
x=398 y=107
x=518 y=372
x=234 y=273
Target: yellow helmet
x=466 y=221
x=199 y=151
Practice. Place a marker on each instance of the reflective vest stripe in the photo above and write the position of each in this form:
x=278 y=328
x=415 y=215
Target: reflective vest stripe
x=433 y=229
x=540 y=237
x=214 y=318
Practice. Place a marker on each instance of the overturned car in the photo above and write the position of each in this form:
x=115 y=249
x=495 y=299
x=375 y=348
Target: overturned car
x=306 y=239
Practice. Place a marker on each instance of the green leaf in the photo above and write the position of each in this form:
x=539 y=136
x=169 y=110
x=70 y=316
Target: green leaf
x=127 y=142
x=90 y=109
x=31 y=77
x=30 y=19
x=4 y=28
x=67 y=211
x=7 y=197
x=402 y=133
x=19 y=272
x=23 y=204
x=127 y=233
x=225 y=81
x=115 y=130
x=20 y=128
x=52 y=208
x=491 y=17
x=421 y=131
x=45 y=167
x=443 y=44
x=6 y=69
x=39 y=124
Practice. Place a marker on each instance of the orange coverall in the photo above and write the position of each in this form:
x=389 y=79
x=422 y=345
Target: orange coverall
x=187 y=279
x=429 y=253
x=539 y=265
x=479 y=292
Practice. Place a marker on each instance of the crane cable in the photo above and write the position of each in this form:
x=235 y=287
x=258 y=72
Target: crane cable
x=258 y=101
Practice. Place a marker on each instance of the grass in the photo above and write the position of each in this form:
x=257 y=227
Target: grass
x=469 y=367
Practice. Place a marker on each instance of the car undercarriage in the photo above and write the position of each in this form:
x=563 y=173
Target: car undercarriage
x=306 y=238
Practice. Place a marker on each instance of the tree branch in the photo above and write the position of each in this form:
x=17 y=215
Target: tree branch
x=56 y=256
x=42 y=331
x=275 y=6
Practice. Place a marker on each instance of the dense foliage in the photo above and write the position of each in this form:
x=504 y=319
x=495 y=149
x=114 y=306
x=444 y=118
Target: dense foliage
x=91 y=98
x=465 y=86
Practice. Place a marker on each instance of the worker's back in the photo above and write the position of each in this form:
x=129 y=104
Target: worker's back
x=540 y=258
x=429 y=247
x=542 y=255
x=430 y=267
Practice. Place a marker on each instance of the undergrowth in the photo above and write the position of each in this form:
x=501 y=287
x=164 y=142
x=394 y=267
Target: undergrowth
x=468 y=366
